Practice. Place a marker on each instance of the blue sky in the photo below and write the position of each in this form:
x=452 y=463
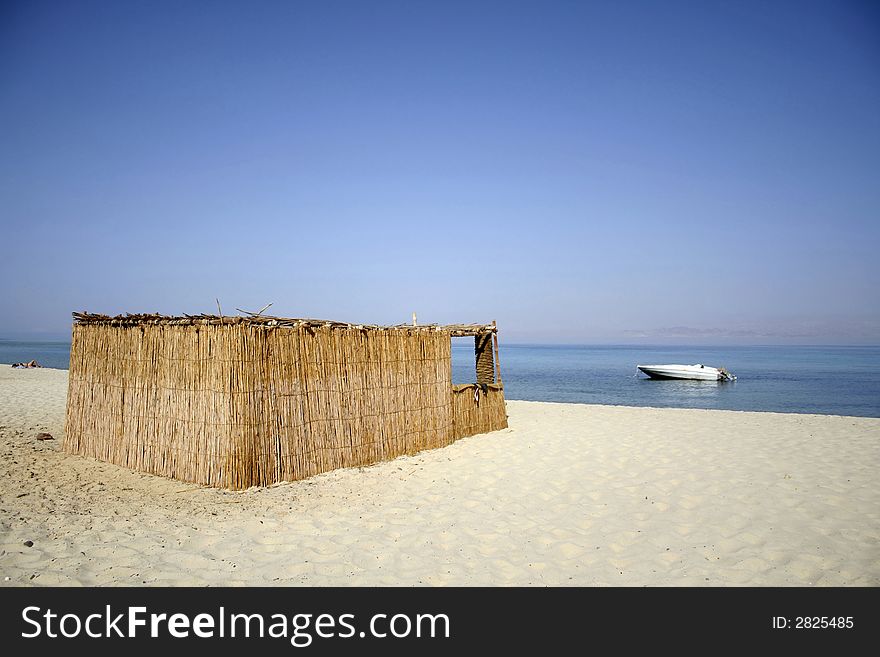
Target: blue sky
x=580 y=172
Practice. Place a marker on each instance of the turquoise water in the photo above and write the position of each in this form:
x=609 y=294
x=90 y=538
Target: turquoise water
x=828 y=380
x=47 y=354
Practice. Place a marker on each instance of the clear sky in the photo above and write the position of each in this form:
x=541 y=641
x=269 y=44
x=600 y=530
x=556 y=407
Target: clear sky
x=578 y=171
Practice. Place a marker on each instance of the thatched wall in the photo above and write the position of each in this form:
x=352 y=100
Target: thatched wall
x=477 y=410
x=249 y=403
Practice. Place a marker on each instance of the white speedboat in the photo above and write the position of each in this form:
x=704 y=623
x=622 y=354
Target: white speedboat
x=696 y=372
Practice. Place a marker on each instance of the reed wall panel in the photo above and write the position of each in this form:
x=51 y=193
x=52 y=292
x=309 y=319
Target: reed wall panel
x=239 y=404
x=478 y=411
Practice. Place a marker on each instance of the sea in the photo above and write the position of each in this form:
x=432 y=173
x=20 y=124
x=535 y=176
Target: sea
x=790 y=379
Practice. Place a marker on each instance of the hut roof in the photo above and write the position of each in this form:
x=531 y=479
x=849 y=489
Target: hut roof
x=268 y=321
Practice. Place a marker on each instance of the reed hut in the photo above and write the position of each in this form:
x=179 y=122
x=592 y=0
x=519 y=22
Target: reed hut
x=236 y=402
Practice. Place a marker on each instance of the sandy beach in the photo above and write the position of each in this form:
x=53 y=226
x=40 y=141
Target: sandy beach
x=569 y=495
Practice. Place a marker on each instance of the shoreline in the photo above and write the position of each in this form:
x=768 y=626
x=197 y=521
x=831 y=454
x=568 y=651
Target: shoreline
x=697 y=410
x=659 y=408
x=571 y=494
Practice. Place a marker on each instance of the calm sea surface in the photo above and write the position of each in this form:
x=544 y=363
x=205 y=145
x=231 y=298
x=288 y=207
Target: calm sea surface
x=47 y=354
x=829 y=380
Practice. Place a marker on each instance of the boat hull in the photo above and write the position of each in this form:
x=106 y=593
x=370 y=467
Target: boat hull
x=687 y=372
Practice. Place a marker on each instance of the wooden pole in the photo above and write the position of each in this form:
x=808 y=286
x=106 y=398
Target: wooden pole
x=484 y=360
x=497 y=361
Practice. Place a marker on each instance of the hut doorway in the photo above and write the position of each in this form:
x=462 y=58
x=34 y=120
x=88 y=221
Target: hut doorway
x=473 y=360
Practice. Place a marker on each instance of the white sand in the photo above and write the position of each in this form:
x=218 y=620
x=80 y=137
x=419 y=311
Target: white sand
x=570 y=495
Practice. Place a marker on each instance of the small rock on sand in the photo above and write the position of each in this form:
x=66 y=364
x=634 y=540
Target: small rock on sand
x=45 y=436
